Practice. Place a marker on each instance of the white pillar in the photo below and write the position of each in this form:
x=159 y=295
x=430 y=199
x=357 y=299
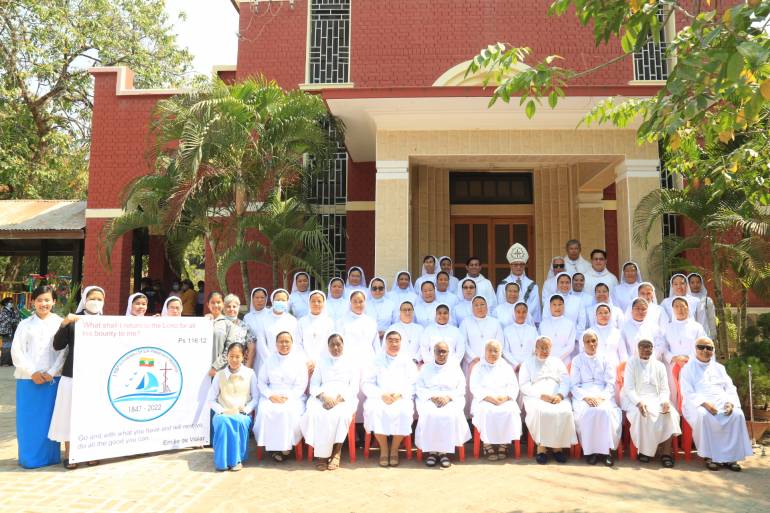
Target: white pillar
x=590 y=221
x=634 y=179
x=392 y=223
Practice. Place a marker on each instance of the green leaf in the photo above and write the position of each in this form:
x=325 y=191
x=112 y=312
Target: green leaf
x=734 y=67
x=553 y=98
x=530 y=109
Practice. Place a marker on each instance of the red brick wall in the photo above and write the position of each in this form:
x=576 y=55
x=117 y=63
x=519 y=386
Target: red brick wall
x=610 y=240
x=115 y=280
x=360 y=248
x=361 y=180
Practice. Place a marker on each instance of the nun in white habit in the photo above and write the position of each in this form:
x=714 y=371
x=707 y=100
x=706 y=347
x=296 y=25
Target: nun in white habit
x=446 y=264
x=279 y=319
x=598 y=419
x=401 y=290
x=559 y=330
x=281 y=383
x=645 y=399
x=464 y=307
x=636 y=327
x=389 y=390
x=425 y=308
x=441 y=424
x=556 y=267
x=611 y=345
x=713 y=409
x=442 y=330
x=359 y=331
x=409 y=328
x=337 y=304
x=627 y=289
x=655 y=313
x=573 y=305
x=679 y=341
x=356 y=280
x=428 y=272
x=544 y=384
x=333 y=401
x=138 y=309
x=706 y=314
x=300 y=294
x=494 y=409
x=519 y=337
x=257 y=310
x=504 y=310
x=314 y=329
x=601 y=294
x=478 y=329
x=679 y=287
x=378 y=306
x=444 y=294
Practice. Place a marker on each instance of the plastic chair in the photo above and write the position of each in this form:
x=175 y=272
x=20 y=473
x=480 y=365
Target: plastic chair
x=686 y=428
x=297 y=451
x=477 y=445
x=406 y=442
x=351 y=442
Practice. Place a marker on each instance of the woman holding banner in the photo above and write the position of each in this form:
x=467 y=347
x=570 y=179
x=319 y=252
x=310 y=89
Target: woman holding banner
x=38 y=367
x=91 y=303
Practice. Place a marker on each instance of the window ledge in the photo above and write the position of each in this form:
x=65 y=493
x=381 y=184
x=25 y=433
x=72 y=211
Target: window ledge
x=647 y=82
x=318 y=87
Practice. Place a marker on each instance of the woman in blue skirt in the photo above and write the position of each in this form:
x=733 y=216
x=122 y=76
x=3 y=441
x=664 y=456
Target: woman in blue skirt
x=38 y=367
x=232 y=397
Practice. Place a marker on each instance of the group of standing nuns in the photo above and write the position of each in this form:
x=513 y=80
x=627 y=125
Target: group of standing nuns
x=423 y=356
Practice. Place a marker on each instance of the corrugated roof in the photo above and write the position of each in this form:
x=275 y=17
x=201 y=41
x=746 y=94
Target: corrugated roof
x=42 y=215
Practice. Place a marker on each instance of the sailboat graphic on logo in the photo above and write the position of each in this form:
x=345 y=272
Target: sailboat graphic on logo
x=144 y=384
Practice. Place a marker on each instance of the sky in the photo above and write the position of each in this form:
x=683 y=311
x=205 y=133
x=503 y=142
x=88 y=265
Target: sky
x=209 y=32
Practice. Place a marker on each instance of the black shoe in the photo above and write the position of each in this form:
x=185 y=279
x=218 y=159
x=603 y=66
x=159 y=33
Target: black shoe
x=541 y=458
x=609 y=460
x=591 y=459
x=560 y=457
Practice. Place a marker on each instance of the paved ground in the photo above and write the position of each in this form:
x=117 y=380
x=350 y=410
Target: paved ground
x=185 y=481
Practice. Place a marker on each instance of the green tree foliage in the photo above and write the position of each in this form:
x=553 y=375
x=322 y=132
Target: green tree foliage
x=46 y=95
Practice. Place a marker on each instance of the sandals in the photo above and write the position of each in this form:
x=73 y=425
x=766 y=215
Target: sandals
x=667 y=461
x=609 y=460
x=384 y=460
x=445 y=461
x=592 y=459
x=643 y=458
x=712 y=466
x=430 y=461
x=735 y=467
x=278 y=456
x=93 y=463
x=394 y=460
x=334 y=462
x=322 y=465
x=502 y=452
x=489 y=452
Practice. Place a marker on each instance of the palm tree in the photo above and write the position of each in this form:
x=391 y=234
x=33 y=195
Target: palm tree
x=219 y=152
x=732 y=232
x=292 y=238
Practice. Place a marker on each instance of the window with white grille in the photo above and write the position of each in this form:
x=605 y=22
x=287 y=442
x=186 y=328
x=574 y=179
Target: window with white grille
x=650 y=62
x=329 y=58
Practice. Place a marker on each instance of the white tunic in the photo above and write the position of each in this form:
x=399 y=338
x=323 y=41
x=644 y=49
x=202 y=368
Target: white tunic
x=551 y=425
x=276 y=426
x=389 y=375
x=322 y=428
x=483 y=288
x=413 y=333
x=573 y=309
x=723 y=438
x=562 y=333
x=435 y=333
x=381 y=310
x=599 y=427
x=272 y=325
x=336 y=308
x=298 y=303
x=32 y=347
x=253 y=321
x=611 y=344
x=497 y=424
x=680 y=339
x=519 y=343
x=448 y=298
x=617 y=316
x=477 y=332
x=692 y=302
x=633 y=331
x=462 y=310
x=425 y=313
x=314 y=331
x=441 y=429
x=646 y=382
x=581 y=265
x=362 y=341
x=593 y=278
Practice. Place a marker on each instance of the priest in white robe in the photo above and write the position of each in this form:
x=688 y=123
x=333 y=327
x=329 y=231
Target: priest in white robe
x=389 y=391
x=518 y=257
x=332 y=403
x=494 y=409
x=483 y=285
x=575 y=263
x=713 y=409
x=599 y=272
x=597 y=417
x=544 y=384
x=645 y=399
x=441 y=424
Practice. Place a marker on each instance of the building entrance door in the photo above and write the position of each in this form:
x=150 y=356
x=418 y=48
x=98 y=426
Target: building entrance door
x=489 y=239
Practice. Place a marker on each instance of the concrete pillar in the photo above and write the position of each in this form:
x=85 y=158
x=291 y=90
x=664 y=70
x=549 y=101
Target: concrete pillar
x=590 y=221
x=634 y=179
x=392 y=224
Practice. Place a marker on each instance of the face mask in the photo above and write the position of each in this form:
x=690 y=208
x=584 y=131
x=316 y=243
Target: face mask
x=231 y=318
x=280 y=306
x=94 y=306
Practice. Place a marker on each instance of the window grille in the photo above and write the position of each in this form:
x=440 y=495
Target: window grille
x=329 y=58
x=650 y=62
x=335 y=228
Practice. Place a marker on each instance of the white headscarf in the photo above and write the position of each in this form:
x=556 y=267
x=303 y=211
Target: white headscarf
x=276 y=291
x=589 y=331
x=371 y=282
x=294 y=289
x=82 y=304
x=323 y=309
x=556 y=283
x=703 y=292
x=251 y=300
x=625 y=292
x=349 y=289
x=551 y=273
x=397 y=291
x=336 y=307
x=164 y=310
x=436 y=264
x=646 y=284
x=451 y=267
x=671 y=285
x=131 y=300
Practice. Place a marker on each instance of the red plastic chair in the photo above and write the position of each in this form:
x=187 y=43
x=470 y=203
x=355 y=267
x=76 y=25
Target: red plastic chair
x=406 y=442
x=477 y=445
x=632 y=450
x=686 y=428
x=351 y=442
x=297 y=451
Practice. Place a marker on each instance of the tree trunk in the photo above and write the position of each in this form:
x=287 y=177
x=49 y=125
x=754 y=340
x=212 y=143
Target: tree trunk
x=12 y=269
x=274 y=266
x=719 y=306
x=222 y=279
x=243 y=264
x=743 y=316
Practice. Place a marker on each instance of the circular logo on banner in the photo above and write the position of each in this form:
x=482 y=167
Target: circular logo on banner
x=144 y=384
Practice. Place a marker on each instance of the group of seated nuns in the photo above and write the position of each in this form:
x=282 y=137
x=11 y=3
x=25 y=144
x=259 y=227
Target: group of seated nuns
x=443 y=350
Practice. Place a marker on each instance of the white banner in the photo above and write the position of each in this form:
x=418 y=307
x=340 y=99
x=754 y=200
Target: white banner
x=139 y=385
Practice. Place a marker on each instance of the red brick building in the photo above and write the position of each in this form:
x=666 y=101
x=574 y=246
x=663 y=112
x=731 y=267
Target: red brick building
x=429 y=168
